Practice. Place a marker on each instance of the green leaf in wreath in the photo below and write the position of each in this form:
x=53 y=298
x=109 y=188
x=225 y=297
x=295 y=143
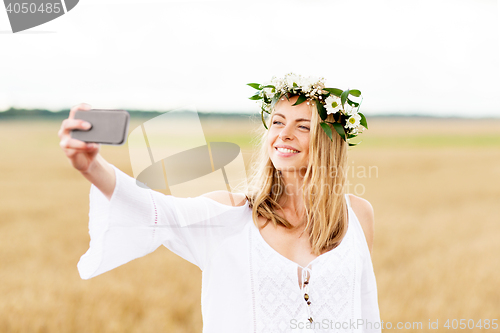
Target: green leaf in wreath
x=352 y=103
x=327 y=130
x=343 y=96
x=255 y=97
x=340 y=129
x=263 y=121
x=255 y=86
x=321 y=110
x=273 y=88
x=334 y=91
x=355 y=92
x=302 y=98
x=354 y=144
x=362 y=121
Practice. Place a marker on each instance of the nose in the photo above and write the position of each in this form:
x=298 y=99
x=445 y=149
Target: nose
x=286 y=133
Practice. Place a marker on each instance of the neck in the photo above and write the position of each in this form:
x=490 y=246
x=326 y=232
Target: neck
x=292 y=201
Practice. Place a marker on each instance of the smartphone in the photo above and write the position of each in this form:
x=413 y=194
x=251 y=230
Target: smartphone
x=109 y=127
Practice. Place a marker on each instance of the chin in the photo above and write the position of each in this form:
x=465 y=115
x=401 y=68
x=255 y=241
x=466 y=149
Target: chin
x=288 y=167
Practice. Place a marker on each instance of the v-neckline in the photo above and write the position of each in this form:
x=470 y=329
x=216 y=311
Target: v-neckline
x=289 y=261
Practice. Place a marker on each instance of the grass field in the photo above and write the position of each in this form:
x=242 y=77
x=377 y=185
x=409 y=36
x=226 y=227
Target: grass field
x=434 y=187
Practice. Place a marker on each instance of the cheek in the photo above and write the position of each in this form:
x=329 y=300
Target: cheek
x=269 y=140
x=271 y=135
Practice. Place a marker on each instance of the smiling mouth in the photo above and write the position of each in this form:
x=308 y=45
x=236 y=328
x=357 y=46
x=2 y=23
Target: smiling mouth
x=286 y=150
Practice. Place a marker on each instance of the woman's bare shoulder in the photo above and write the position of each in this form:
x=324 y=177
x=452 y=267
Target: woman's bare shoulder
x=227 y=198
x=364 y=212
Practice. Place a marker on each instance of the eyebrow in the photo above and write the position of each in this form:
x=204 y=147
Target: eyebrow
x=296 y=120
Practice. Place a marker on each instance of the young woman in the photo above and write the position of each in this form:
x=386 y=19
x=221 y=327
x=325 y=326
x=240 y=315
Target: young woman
x=290 y=255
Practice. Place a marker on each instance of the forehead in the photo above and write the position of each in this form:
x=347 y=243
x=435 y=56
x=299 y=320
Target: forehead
x=290 y=111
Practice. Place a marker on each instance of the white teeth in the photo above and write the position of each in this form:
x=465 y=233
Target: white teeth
x=285 y=150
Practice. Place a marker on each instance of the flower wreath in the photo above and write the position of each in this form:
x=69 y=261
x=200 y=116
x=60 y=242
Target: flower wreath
x=348 y=120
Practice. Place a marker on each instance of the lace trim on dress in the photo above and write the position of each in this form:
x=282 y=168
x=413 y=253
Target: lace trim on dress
x=156 y=221
x=306 y=272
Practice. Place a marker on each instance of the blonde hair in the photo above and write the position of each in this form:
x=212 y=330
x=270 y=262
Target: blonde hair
x=323 y=187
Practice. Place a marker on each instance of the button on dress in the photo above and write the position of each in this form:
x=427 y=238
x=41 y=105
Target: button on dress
x=247 y=286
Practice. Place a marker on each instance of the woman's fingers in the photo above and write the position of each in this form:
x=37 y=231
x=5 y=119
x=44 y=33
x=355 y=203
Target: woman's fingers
x=81 y=106
x=80 y=153
x=88 y=148
x=70 y=143
x=70 y=124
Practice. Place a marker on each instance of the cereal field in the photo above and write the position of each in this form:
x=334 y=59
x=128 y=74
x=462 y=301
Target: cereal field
x=434 y=186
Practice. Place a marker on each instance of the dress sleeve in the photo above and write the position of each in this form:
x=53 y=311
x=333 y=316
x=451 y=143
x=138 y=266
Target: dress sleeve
x=137 y=220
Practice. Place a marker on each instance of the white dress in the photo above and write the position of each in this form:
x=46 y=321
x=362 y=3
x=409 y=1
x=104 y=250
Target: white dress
x=247 y=286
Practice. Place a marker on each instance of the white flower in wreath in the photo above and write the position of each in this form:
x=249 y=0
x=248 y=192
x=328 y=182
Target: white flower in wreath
x=353 y=121
x=266 y=106
x=333 y=104
x=354 y=131
x=306 y=87
x=320 y=84
x=349 y=110
x=269 y=92
x=278 y=84
x=290 y=80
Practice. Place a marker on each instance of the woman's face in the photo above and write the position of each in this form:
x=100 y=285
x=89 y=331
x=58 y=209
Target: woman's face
x=290 y=126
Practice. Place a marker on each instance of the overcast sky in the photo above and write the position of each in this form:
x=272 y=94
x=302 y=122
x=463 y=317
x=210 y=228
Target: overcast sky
x=427 y=56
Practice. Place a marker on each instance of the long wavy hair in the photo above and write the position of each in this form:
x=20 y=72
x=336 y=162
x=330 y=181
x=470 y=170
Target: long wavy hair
x=323 y=188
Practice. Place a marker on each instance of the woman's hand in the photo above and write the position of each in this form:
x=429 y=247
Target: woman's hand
x=81 y=155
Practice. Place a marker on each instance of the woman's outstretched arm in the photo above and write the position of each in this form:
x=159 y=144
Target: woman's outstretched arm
x=128 y=221
x=85 y=157
x=102 y=175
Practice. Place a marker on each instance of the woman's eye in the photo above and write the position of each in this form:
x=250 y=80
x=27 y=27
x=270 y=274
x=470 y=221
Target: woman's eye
x=279 y=122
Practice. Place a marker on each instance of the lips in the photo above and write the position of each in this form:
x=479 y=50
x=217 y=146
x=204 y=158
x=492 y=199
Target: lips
x=286 y=147
x=286 y=152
